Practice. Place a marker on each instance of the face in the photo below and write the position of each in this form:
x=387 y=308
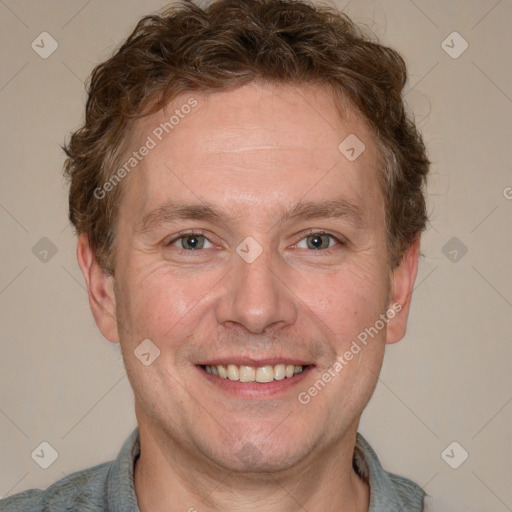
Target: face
x=246 y=238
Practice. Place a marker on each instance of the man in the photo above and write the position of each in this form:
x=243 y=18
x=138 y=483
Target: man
x=248 y=195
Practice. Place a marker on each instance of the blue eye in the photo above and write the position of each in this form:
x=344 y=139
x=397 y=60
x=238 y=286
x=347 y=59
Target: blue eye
x=191 y=242
x=196 y=241
x=317 y=241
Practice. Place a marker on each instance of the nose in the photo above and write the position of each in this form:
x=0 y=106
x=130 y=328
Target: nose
x=256 y=296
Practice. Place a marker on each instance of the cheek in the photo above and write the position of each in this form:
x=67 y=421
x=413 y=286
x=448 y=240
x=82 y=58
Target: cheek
x=346 y=302
x=161 y=301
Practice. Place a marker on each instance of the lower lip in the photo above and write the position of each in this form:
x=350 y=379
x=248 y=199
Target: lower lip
x=255 y=390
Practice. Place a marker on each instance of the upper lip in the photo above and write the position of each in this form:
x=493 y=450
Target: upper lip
x=256 y=363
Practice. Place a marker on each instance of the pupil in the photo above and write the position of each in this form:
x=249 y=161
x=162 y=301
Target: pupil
x=192 y=241
x=317 y=241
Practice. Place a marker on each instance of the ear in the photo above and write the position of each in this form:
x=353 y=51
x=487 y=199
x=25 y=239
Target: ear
x=402 y=285
x=100 y=287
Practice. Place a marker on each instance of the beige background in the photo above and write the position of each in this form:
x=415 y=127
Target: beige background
x=449 y=380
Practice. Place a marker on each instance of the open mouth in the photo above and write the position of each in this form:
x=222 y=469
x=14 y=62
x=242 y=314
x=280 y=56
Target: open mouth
x=262 y=374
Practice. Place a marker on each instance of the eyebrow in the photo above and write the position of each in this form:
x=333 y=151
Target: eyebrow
x=172 y=211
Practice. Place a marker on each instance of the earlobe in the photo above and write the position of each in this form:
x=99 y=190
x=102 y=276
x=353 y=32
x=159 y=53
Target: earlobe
x=100 y=287
x=402 y=285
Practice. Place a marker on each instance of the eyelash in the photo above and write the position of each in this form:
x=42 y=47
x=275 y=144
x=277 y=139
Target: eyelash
x=306 y=235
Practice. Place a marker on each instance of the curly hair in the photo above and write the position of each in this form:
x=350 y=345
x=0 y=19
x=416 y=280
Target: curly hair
x=228 y=44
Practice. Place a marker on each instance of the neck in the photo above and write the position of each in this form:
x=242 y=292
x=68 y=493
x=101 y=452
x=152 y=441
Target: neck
x=170 y=476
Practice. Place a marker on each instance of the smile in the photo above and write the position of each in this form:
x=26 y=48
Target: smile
x=262 y=374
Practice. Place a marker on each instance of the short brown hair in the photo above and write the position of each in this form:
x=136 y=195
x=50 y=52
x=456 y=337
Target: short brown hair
x=232 y=43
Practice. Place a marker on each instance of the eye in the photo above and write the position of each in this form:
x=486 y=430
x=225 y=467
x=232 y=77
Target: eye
x=318 y=241
x=191 y=242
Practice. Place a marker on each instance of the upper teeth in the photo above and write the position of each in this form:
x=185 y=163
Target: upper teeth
x=252 y=374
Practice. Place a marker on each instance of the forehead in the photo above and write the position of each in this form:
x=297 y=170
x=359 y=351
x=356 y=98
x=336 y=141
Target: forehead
x=255 y=145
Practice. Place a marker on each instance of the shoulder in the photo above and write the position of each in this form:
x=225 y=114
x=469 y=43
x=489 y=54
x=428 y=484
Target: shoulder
x=83 y=491
x=404 y=486
x=93 y=489
x=26 y=500
x=388 y=490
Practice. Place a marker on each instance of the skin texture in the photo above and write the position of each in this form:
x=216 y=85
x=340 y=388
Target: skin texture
x=253 y=153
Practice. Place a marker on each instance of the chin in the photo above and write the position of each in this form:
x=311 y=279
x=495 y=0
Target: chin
x=249 y=451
